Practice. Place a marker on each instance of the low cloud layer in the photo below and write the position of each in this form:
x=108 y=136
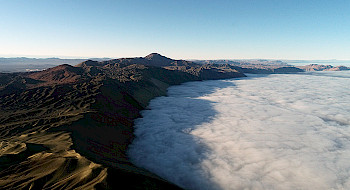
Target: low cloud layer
x=270 y=132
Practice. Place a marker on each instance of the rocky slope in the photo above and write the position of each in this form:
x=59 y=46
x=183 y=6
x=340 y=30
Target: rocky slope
x=69 y=127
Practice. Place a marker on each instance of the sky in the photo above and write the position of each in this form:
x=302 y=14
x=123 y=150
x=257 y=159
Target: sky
x=181 y=29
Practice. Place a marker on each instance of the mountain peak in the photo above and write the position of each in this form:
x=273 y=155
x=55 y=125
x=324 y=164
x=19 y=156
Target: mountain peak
x=156 y=56
x=158 y=60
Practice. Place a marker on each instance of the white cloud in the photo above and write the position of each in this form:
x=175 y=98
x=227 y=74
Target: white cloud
x=271 y=132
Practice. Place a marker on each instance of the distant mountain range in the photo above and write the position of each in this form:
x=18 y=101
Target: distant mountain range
x=242 y=62
x=23 y=64
x=316 y=67
x=26 y=60
x=332 y=62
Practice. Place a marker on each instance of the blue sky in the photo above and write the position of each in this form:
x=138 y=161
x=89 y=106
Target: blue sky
x=183 y=29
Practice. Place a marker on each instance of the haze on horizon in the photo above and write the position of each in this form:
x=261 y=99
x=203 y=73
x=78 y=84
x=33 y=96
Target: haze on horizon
x=240 y=29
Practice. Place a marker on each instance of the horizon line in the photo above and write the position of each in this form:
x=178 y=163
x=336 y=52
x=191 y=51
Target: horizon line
x=78 y=57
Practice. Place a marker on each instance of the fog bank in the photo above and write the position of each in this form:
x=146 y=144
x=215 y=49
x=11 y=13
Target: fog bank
x=262 y=132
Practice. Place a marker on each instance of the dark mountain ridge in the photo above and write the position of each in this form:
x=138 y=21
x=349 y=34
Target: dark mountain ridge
x=81 y=118
x=153 y=59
